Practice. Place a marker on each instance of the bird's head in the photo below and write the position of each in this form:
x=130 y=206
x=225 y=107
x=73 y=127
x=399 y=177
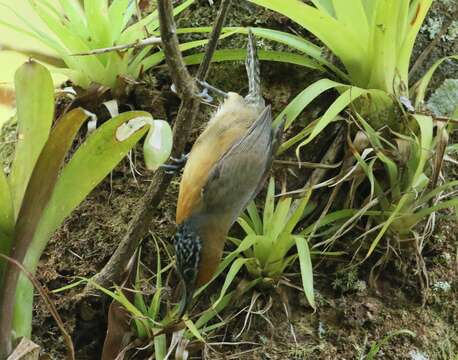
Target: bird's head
x=188 y=246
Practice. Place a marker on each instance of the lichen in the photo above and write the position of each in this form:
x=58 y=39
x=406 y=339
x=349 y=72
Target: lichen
x=432 y=27
x=452 y=32
x=443 y=286
x=444 y=101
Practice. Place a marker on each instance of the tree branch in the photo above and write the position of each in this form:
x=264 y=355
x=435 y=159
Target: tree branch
x=187 y=90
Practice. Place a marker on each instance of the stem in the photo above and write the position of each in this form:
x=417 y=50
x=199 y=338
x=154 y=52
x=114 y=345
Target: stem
x=187 y=90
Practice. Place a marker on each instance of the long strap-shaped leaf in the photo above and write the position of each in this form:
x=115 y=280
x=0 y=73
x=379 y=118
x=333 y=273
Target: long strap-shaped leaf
x=37 y=194
x=90 y=164
x=94 y=159
x=44 y=177
x=35 y=112
x=6 y=208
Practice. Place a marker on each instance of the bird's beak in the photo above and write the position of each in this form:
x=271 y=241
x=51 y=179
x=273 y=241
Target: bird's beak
x=186 y=300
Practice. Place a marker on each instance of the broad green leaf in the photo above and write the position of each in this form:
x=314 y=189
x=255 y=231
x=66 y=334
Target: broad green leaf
x=160 y=347
x=264 y=248
x=93 y=160
x=426 y=137
x=294 y=41
x=341 y=40
x=255 y=218
x=213 y=311
x=5 y=246
x=306 y=269
x=419 y=11
x=247 y=243
x=36 y=198
x=331 y=113
x=246 y=226
x=300 y=102
x=177 y=10
x=90 y=164
x=231 y=274
x=116 y=15
x=6 y=209
x=90 y=65
x=193 y=329
x=35 y=113
x=330 y=218
x=151 y=23
x=383 y=54
x=306 y=131
x=98 y=22
x=437 y=190
x=39 y=35
x=278 y=222
x=273 y=264
x=158 y=144
x=217 y=307
x=6 y=221
x=240 y=54
x=269 y=205
x=349 y=13
x=159 y=56
x=137 y=30
x=297 y=212
x=453 y=203
x=325 y=6
x=76 y=17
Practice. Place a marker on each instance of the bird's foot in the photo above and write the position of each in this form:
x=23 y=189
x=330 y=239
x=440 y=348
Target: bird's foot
x=207 y=87
x=176 y=164
x=205 y=96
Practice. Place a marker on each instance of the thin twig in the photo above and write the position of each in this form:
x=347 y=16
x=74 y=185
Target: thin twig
x=152 y=40
x=187 y=90
x=52 y=309
x=213 y=40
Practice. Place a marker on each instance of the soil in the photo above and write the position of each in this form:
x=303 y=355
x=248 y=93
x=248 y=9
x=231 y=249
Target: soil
x=351 y=315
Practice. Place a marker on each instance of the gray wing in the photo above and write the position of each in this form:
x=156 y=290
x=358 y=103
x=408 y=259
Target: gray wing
x=237 y=176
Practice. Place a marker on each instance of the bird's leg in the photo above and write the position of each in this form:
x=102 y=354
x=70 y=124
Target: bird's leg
x=176 y=164
x=206 y=87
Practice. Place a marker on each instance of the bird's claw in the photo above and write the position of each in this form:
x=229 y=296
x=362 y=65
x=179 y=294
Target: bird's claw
x=207 y=87
x=205 y=96
x=176 y=164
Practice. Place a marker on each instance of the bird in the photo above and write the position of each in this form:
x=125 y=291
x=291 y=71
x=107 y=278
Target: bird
x=224 y=171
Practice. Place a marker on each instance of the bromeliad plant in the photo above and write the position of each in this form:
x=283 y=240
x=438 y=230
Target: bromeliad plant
x=409 y=192
x=373 y=39
x=100 y=24
x=266 y=249
x=37 y=195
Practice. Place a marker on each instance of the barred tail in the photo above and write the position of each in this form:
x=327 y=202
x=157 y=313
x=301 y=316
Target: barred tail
x=253 y=71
